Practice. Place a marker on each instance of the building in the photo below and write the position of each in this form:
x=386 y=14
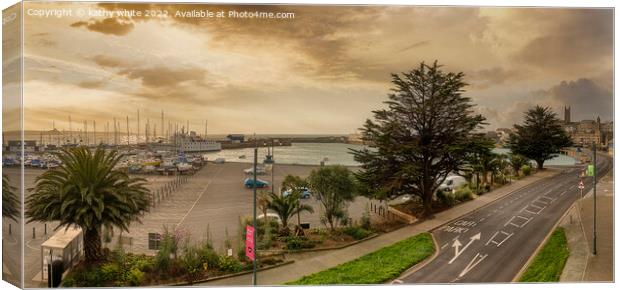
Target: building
x=587 y=132
x=236 y=138
x=30 y=146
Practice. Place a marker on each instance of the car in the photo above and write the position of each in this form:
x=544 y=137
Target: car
x=305 y=192
x=270 y=215
x=452 y=182
x=249 y=183
x=259 y=171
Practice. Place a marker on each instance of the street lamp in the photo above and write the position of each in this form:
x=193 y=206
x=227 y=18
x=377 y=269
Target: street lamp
x=594 y=199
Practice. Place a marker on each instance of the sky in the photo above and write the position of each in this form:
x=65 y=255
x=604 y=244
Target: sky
x=321 y=72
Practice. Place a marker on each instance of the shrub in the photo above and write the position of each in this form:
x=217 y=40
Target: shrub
x=230 y=264
x=135 y=277
x=357 y=233
x=68 y=282
x=111 y=272
x=209 y=256
x=298 y=243
x=526 y=169
x=142 y=262
x=365 y=219
x=463 y=194
x=192 y=263
x=446 y=198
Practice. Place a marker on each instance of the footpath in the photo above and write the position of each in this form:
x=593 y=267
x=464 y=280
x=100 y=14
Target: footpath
x=311 y=262
x=582 y=265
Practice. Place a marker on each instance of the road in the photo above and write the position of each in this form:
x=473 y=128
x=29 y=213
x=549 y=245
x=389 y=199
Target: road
x=493 y=243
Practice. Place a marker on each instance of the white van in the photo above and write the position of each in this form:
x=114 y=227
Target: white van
x=452 y=182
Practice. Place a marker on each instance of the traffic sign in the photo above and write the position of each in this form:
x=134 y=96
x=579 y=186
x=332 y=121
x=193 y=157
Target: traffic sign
x=590 y=170
x=580 y=186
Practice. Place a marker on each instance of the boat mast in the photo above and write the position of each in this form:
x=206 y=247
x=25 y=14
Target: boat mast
x=138 y=131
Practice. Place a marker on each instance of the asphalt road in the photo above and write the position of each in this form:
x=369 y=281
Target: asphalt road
x=493 y=243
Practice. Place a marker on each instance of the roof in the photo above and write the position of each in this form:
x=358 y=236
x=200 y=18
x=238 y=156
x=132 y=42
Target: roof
x=62 y=238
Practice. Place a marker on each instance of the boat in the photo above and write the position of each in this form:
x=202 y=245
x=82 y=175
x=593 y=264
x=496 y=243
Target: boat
x=185 y=143
x=242 y=156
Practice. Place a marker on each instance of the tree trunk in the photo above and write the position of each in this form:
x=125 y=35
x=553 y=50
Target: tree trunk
x=427 y=202
x=540 y=164
x=92 y=244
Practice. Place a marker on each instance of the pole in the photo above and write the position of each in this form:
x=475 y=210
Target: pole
x=254 y=218
x=594 y=196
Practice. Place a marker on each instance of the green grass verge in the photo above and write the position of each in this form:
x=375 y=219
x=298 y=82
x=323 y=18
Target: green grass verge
x=549 y=263
x=377 y=267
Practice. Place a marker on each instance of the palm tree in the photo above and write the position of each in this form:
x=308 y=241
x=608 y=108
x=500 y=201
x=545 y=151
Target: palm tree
x=86 y=191
x=502 y=166
x=10 y=202
x=295 y=185
x=488 y=163
x=516 y=162
x=287 y=206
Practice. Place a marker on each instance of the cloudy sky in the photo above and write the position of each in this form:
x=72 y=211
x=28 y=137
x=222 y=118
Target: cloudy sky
x=321 y=72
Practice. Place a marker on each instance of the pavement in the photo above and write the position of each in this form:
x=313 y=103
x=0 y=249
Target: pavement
x=600 y=267
x=504 y=233
x=582 y=264
x=308 y=263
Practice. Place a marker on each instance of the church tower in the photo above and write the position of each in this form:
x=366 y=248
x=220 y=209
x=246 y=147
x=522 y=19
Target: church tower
x=567 y=115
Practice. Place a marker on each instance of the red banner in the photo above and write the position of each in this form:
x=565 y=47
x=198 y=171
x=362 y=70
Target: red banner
x=249 y=242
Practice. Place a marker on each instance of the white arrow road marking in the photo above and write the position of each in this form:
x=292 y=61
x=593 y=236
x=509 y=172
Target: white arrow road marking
x=473 y=263
x=457 y=246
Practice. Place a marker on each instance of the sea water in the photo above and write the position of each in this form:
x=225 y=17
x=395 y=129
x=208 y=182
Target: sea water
x=329 y=153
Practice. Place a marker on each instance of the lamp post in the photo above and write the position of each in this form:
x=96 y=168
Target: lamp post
x=254 y=218
x=594 y=200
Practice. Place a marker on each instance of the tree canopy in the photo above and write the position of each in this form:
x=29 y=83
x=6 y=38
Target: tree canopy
x=10 y=201
x=423 y=135
x=540 y=137
x=334 y=187
x=86 y=191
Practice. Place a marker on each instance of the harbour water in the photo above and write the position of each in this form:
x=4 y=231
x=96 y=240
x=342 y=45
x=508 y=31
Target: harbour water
x=332 y=153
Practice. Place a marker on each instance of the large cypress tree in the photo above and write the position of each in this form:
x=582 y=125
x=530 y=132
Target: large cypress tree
x=541 y=136
x=423 y=135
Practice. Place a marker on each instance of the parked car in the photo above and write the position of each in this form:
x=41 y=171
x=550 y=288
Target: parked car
x=270 y=215
x=259 y=170
x=249 y=183
x=452 y=182
x=305 y=193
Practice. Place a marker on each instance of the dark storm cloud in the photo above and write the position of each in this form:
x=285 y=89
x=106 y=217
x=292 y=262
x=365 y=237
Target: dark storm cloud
x=586 y=98
x=578 y=37
x=113 y=26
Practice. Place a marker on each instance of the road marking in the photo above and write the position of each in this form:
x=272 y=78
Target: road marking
x=457 y=246
x=549 y=199
x=520 y=218
x=473 y=263
x=491 y=240
x=199 y=197
x=397 y=281
x=444 y=246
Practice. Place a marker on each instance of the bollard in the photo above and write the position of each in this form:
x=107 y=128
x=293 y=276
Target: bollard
x=34 y=235
x=10 y=231
x=45 y=229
